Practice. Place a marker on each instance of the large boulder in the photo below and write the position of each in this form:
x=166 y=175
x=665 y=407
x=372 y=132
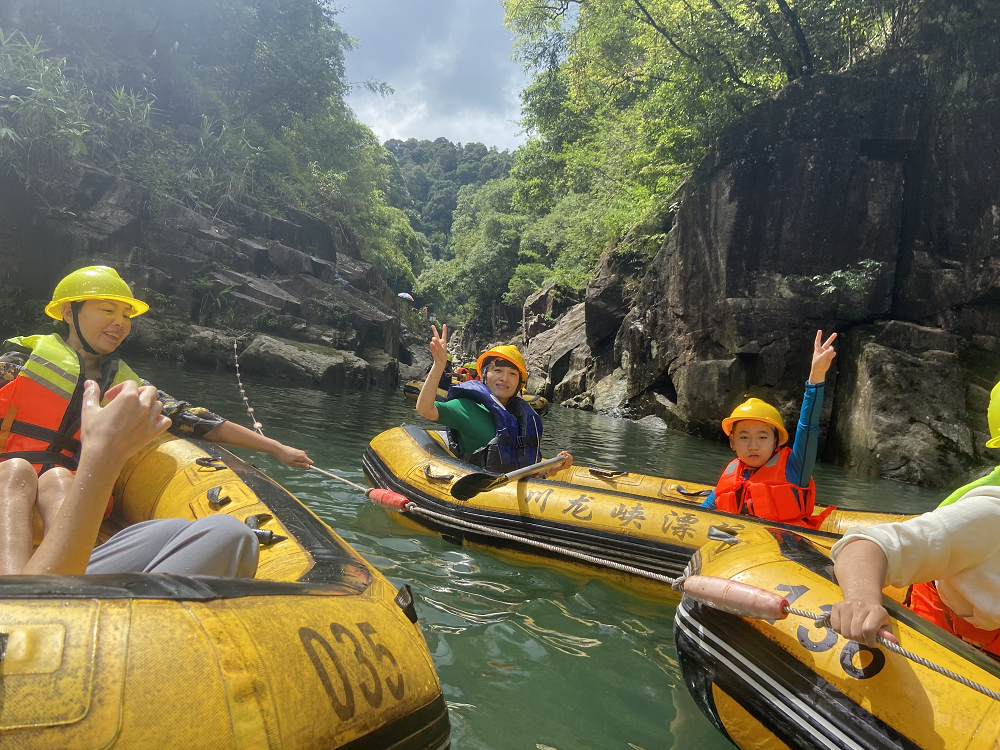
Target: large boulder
x=331 y=369
x=543 y=307
x=249 y=287
x=898 y=413
x=344 y=307
x=557 y=359
x=608 y=295
x=557 y=322
x=289 y=261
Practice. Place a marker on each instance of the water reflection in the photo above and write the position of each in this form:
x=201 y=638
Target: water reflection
x=529 y=657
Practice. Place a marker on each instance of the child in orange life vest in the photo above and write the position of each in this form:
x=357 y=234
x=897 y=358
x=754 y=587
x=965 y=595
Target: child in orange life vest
x=766 y=479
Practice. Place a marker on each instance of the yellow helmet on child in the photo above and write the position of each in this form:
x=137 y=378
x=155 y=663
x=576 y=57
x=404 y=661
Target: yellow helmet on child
x=993 y=416
x=508 y=352
x=93 y=282
x=760 y=411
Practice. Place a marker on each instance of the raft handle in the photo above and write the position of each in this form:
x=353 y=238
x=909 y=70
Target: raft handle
x=607 y=473
x=216 y=499
x=687 y=493
x=723 y=534
x=264 y=536
x=208 y=462
x=255 y=521
x=429 y=473
x=404 y=600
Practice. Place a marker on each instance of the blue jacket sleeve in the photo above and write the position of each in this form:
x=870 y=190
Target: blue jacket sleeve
x=709 y=501
x=799 y=469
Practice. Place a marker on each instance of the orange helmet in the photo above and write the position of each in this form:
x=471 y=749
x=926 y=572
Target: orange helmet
x=508 y=352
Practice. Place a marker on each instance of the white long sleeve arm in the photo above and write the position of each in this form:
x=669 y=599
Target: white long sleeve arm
x=940 y=544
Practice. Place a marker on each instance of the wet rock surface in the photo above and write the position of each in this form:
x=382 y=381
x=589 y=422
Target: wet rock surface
x=294 y=279
x=331 y=369
x=898 y=412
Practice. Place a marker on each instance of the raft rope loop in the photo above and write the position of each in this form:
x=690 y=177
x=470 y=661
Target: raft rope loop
x=819 y=620
x=675 y=583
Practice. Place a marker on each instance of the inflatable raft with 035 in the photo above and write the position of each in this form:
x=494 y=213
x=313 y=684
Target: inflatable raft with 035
x=317 y=651
x=412 y=388
x=651 y=523
x=790 y=685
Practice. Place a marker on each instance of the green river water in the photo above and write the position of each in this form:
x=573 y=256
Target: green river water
x=529 y=657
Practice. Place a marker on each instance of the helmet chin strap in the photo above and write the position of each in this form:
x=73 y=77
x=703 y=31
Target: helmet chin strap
x=76 y=306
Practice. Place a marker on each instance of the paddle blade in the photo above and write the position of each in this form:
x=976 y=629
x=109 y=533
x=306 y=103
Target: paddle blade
x=471 y=485
x=388 y=499
x=736 y=598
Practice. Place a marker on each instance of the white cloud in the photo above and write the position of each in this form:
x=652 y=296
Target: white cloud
x=449 y=63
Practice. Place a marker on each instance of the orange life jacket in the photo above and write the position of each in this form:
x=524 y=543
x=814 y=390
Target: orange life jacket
x=40 y=408
x=926 y=602
x=767 y=493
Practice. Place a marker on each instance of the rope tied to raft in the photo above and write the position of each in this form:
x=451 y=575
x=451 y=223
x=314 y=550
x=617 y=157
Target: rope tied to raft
x=820 y=620
x=257 y=426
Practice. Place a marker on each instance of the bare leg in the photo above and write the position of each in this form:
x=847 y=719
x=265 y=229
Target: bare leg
x=52 y=488
x=18 y=488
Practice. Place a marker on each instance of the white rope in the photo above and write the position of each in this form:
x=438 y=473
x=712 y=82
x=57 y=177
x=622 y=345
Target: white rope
x=257 y=426
x=822 y=620
x=674 y=582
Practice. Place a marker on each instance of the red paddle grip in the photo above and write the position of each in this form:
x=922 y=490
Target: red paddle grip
x=388 y=499
x=736 y=598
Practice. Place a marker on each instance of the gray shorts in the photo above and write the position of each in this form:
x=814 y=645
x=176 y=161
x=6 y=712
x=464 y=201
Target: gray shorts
x=212 y=546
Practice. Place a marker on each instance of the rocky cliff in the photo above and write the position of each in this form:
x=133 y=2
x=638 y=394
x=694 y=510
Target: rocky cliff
x=312 y=308
x=866 y=203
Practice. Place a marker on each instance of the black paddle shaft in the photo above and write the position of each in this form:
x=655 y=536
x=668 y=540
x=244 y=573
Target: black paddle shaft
x=470 y=485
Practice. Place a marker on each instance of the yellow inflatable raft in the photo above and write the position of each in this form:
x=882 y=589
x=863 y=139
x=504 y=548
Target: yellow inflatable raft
x=318 y=651
x=790 y=685
x=647 y=522
x=412 y=389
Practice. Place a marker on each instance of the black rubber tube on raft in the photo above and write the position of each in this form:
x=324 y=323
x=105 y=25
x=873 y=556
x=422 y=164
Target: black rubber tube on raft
x=735 y=597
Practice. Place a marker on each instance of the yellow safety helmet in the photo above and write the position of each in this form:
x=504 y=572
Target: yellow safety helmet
x=993 y=415
x=760 y=411
x=93 y=282
x=508 y=352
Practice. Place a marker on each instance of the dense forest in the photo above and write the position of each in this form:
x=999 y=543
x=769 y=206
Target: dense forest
x=435 y=172
x=210 y=103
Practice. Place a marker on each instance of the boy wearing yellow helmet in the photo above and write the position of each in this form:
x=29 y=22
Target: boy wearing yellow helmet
x=40 y=429
x=767 y=479
x=950 y=559
x=488 y=422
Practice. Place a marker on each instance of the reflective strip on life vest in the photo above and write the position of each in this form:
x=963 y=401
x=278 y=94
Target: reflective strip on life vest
x=37 y=369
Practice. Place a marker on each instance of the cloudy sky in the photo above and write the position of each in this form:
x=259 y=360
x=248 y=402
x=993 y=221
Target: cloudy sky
x=449 y=63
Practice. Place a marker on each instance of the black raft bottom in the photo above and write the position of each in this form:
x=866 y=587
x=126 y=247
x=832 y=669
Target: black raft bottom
x=426 y=728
